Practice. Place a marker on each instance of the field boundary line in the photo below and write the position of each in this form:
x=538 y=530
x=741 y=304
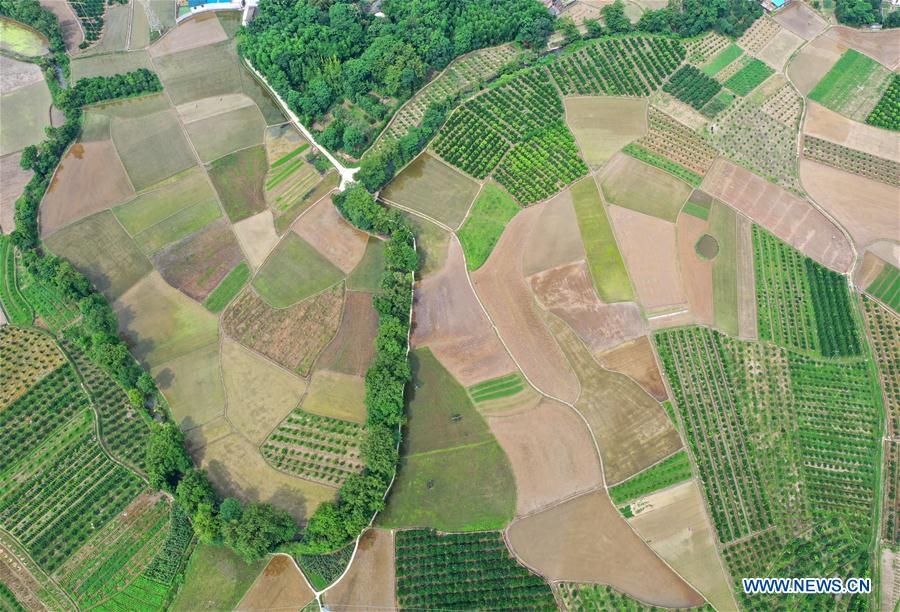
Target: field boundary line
x=652 y=465
x=448 y=449
x=418 y=214
x=472 y=204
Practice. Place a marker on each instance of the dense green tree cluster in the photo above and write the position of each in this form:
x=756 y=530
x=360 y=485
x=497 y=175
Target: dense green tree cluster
x=858 y=12
x=685 y=18
x=100 y=89
x=31 y=13
x=334 y=524
x=317 y=54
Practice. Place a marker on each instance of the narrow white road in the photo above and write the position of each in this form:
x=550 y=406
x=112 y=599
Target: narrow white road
x=346 y=173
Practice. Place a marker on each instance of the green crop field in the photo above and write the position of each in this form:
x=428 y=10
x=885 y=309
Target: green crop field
x=465 y=571
x=238 y=179
x=749 y=77
x=886 y=287
x=603 y=257
x=722 y=59
x=496 y=388
x=229 y=287
x=294 y=271
x=666 y=473
x=15 y=306
x=852 y=81
x=453 y=475
x=654 y=159
x=366 y=276
x=215 y=578
x=489 y=215
x=723 y=227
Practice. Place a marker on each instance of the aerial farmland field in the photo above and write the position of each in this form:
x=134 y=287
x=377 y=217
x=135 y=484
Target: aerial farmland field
x=448 y=306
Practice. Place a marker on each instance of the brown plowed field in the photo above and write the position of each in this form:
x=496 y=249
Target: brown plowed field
x=825 y=123
x=786 y=215
x=281 y=586
x=199 y=31
x=551 y=451
x=508 y=298
x=196 y=264
x=649 y=247
x=448 y=319
x=631 y=428
x=813 y=62
x=352 y=349
x=293 y=336
x=868 y=271
x=257 y=237
x=370 y=581
x=676 y=526
x=884 y=46
x=801 y=20
x=75 y=192
x=780 y=48
x=867 y=209
x=557 y=240
x=635 y=359
x=567 y=291
x=331 y=235
x=696 y=272
x=586 y=540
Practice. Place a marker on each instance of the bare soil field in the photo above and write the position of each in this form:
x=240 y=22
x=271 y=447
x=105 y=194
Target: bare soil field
x=801 y=20
x=632 y=184
x=353 y=346
x=196 y=264
x=696 y=271
x=12 y=183
x=236 y=468
x=758 y=35
x=587 y=540
x=448 y=319
x=676 y=526
x=192 y=384
x=631 y=428
x=814 y=61
x=649 y=247
x=259 y=393
x=868 y=270
x=508 y=299
x=199 y=31
x=677 y=109
x=281 y=140
x=883 y=46
x=25 y=113
x=558 y=241
x=890 y=579
x=551 y=451
x=75 y=192
x=603 y=125
x=15 y=74
x=336 y=395
x=370 y=581
x=109 y=64
x=328 y=232
x=161 y=323
x=635 y=359
x=789 y=217
x=280 y=586
x=257 y=237
x=779 y=49
x=568 y=293
x=867 y=209
x=291 y=336
x=746 y=280
x=825 y=123
x=72 y=33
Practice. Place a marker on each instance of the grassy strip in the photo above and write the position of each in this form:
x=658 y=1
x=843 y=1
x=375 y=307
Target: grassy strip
x=728 y=55
x=228 y=288
x=638 y=152
x=886 y=287
x=675 y=469
x=479 y=234
x=749 y=77
x=290 y=155
x=844 y=79
x=695 y=210
x=501 y=382
x=17 y=310
x=288 y=170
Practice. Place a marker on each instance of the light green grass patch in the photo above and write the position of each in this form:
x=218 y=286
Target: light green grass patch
x=366 y=276
x=644 y=188
x=489 y=215
x=886 y=286
x=203 y=72
x=238 y=178
x=229 y=287
x=663 y=163
x=666 y=473
x=221 y=134
x=723 y=227
x=749 y=77
x=603 y=257
x=215 y=579
x=292 y=207
x=179 y=225
x=21 y=39
x=844 y=80
x=696 y=210
x=294 y=271
x=101 y=249
x=24 y=113
x=433 y=188
x=496 y=388
x=725 y=57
